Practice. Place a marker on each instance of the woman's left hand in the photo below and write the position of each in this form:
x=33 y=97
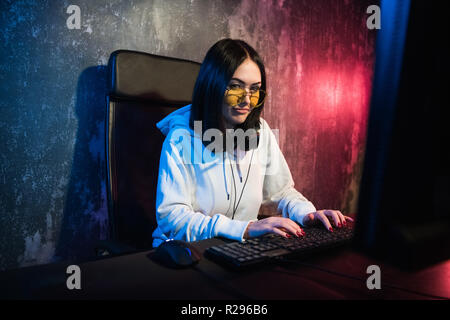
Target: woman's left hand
x=337 y=218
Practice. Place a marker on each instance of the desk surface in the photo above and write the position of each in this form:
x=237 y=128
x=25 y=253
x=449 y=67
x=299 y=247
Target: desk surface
x=135 y=276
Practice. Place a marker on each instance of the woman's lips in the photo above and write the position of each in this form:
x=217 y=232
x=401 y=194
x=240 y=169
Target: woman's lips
x=241 y=111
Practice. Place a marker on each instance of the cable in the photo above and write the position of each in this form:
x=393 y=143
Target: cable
x=235 y=192
x=226 y=184
x=243 y=188
x=354 y=278
x=245 y=183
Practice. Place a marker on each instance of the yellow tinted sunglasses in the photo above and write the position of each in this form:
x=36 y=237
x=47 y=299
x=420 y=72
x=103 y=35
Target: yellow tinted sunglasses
x=235 y=96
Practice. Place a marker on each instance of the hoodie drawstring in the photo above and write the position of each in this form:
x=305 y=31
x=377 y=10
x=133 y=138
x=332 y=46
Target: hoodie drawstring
x=225 y=174
x=225 y=177
x=238 y=167
x=234 y=182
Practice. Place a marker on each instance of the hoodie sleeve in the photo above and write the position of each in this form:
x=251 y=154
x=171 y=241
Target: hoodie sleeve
x=174 y=212
x=278 y=183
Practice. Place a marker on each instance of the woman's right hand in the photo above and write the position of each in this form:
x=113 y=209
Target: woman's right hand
x=279 y=225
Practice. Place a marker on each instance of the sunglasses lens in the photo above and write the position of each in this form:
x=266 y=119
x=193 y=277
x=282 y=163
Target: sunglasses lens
x=237 y=92
x=237 y=96
x=254 y=99
x=232 y=100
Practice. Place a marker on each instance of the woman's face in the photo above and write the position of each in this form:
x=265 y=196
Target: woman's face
x=247 y=76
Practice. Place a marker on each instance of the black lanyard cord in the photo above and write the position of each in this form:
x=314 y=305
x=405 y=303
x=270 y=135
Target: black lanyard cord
x=245 y=183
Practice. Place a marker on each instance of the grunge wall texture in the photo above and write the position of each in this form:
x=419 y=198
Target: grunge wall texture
x=319 y=57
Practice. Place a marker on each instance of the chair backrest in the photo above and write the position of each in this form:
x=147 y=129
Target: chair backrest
x=143 y=89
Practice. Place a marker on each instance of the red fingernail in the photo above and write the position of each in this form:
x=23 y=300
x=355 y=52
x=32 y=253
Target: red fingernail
x=331 y=229
x=339 y=225
x=287 y=235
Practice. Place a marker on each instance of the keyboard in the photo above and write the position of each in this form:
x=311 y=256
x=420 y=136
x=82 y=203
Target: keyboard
x=260 y=250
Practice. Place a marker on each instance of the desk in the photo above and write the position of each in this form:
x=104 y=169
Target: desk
x=135 y=276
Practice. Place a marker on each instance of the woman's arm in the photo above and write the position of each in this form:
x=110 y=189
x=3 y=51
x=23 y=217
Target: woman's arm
x=279 y=185
x=279 y=188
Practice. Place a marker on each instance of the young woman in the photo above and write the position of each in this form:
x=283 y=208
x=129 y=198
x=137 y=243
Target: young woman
x=206 y=192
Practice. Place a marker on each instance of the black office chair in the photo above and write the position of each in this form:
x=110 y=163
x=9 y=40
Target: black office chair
x=143 y=89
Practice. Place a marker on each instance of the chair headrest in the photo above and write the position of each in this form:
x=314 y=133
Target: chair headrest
x=143 y=76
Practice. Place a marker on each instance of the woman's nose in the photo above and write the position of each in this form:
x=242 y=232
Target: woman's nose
x=246 y=98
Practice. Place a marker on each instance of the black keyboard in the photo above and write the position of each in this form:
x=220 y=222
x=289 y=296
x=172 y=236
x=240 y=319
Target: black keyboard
x=269 y=247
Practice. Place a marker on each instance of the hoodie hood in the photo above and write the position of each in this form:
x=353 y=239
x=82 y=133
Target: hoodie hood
x=177 y=119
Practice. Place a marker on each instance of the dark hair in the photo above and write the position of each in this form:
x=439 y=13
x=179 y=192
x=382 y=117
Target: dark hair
x=219 y=65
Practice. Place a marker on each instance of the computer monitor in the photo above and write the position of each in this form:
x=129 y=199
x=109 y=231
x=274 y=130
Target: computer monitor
x=404 y=203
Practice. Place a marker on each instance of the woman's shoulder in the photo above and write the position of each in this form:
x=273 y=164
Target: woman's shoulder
x=265 y=129
x=182 y=143
x=263 y=122
x=179 y=135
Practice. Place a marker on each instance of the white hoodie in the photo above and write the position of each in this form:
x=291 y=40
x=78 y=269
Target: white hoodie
x=195 y=198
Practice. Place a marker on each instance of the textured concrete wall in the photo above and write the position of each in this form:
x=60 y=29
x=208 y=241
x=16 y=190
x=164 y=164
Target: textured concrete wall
x=318 y=54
